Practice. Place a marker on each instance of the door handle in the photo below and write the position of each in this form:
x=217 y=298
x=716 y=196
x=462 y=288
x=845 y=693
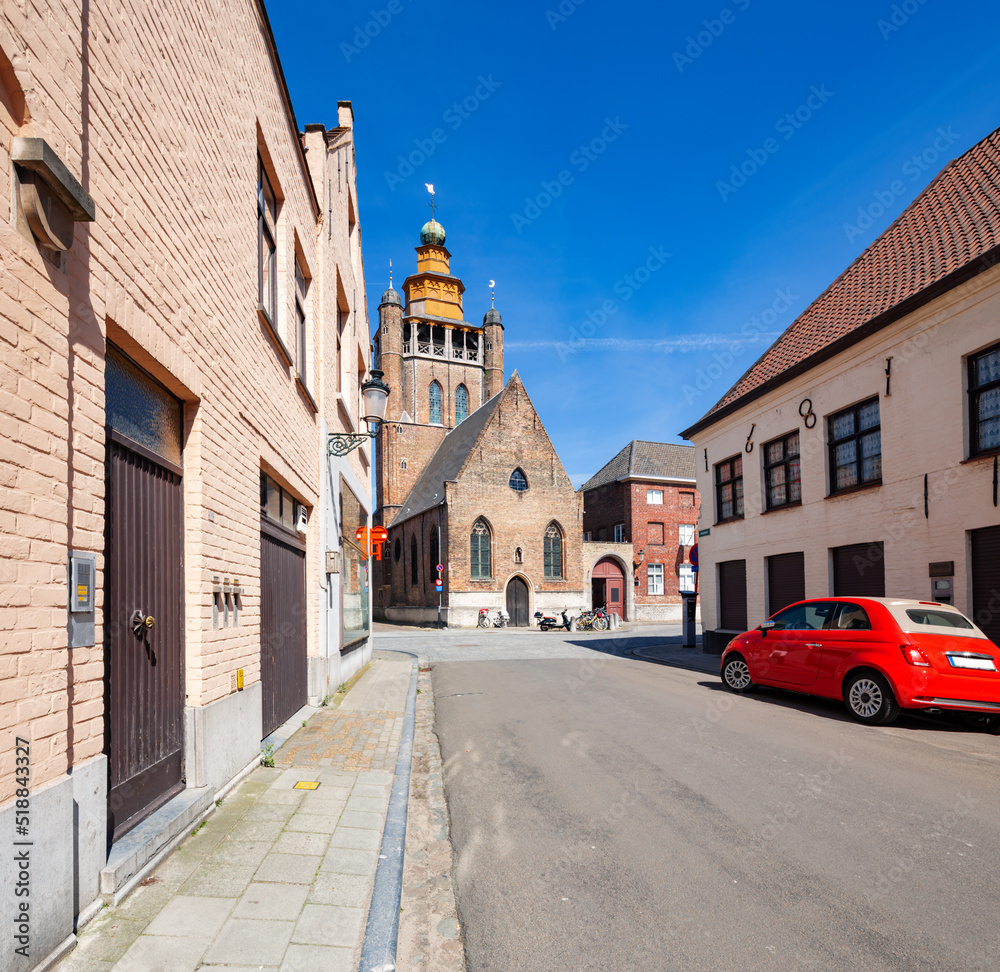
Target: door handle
x=813 y=644
x=141 y=622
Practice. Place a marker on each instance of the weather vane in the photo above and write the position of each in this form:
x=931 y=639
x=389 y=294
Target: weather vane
x=493 y=284
x=432 y=204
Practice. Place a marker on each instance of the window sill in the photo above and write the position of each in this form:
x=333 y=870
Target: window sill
x=482 y=580
x=732 y=519
x=784 y=506
x=306 y=393
x=854 y=489
x=988 y=454
x=265 y=319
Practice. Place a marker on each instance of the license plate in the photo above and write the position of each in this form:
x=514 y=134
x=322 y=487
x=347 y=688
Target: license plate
x=963 y=661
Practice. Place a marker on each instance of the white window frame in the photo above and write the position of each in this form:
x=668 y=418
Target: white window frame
x=654 y=497
x=688 y=530
x=619 y=533
x=685 y=578
x=654 y=579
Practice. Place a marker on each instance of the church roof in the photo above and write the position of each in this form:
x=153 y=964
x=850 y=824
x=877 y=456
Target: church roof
x=641 y=459
x=447 y=462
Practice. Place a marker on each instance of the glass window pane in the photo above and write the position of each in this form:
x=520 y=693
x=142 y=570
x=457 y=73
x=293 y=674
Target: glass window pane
x=989 y=404
x=792 y=445
x=737 y=467
x=868 y=415
x=871 y=444
x=434 y=396
x=988 y=367
x=989 y=434
x=843 y=424
x=847 y=453
x=738 y=487
x=141 y=408
x=287 y=510
x=775 y=452
x=273 y=509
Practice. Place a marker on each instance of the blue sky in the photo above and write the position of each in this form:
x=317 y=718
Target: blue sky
x=640 y=180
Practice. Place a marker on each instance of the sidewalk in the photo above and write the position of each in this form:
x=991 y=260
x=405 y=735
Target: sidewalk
x=276 y=877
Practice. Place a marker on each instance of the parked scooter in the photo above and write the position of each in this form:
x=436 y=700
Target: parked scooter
x=499 y=621
x=550 y=623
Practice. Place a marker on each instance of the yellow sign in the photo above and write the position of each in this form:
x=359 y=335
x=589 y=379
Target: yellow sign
x=302 y=785
x=239 y=679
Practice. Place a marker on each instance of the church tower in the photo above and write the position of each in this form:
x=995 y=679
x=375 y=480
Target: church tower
x=440 y=367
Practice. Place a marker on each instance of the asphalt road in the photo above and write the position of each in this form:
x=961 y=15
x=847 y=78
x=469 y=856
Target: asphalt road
x=609 y=813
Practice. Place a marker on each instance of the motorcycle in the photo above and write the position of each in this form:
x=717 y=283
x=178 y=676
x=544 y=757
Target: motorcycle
x=550 y=623
x=500 y=621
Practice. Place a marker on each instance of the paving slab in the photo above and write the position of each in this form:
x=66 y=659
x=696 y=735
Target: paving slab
x=275 y=878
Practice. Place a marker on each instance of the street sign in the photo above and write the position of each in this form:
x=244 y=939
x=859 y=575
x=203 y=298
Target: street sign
x=704 y=533
x=440 y=567
x=438 y=585
x=693 y=555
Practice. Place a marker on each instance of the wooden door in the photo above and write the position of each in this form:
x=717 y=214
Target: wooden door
x=283 y=663
x=144 y=706
x=517 y=602
x=986 y=581
x=608 y=587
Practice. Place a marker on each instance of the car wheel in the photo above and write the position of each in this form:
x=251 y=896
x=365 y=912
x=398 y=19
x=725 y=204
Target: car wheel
x=868 y=697
x=982 y=721
x=736 y=675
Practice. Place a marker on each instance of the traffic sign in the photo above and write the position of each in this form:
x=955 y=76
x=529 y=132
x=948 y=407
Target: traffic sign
x=693 y=555
x=440 y=567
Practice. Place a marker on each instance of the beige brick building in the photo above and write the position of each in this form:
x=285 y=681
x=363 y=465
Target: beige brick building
x=467 y=477
x=859 y=455
x=182 y=323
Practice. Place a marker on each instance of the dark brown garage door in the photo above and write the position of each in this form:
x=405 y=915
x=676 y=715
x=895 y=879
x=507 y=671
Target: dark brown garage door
x=859 y=570
x=986 y=581
x=733 y=595
x=786 y=580
x=282 y=626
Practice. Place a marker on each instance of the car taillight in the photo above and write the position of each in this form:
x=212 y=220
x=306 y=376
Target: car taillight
x=915 y=656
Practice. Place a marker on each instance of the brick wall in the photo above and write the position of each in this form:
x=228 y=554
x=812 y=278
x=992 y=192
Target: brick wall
x=162 y=128
x=654 y=529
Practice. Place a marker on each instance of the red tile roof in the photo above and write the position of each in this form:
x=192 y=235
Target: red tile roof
x=951 y=224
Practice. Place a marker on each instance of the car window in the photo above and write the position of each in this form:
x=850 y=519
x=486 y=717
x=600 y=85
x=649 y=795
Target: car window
x=810 y=616
x=852 y=617
x=941 y=619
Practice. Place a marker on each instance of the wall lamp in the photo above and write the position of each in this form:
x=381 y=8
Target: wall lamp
x=375 y=393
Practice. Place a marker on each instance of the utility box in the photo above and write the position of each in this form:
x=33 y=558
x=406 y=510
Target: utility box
x=689 y=603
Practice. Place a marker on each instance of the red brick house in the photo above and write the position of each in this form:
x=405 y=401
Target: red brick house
x=645 y=500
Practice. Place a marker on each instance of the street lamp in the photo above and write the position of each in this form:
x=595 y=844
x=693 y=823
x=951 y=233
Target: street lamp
x=375 y=394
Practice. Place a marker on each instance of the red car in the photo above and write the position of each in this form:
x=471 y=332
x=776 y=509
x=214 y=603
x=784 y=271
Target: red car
x=877 y=654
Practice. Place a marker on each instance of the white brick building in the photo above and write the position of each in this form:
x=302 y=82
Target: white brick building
x=859 y=454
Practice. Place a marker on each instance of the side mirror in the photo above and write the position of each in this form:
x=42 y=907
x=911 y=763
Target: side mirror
x=766 y=626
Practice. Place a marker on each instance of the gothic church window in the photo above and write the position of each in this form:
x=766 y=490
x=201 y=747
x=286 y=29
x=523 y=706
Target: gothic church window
x=479 y=557
x=518 y=481
x=553 y=552
x=397 y=550
x=434 y=398
x=414 y=566
x=461 y=404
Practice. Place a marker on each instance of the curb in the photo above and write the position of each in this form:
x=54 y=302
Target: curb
x=378 y=953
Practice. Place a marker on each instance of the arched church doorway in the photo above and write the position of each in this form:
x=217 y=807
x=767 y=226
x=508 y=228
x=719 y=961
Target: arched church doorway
x=607 y=587
x=517 y=602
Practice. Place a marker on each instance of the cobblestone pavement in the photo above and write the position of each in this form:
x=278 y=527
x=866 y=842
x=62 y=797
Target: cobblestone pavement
x=276 y=877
